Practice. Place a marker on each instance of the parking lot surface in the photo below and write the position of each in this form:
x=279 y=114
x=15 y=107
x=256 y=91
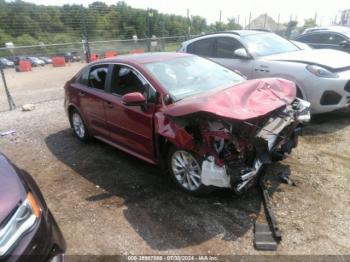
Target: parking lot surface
x=107 y=202
x=39 y=85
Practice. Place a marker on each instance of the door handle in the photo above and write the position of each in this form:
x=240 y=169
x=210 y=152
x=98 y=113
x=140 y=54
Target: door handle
x=109 y=104
x=81 y=94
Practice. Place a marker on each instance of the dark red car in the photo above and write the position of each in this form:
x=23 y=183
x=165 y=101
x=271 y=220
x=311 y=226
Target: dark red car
x=28 y=231
x=204 y=123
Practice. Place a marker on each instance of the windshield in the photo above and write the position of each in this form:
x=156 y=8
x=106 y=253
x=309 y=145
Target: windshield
x=186 y=76
x=268 y=44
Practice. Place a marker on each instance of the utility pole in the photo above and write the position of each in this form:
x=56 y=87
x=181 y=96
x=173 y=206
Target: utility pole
x=85 y=40
x=250 y=19
x=238 y=19
x=188 y=23
x=149 y=28
x=220 y=16
x=12 y=104
x=315 y=18
x=265 y=18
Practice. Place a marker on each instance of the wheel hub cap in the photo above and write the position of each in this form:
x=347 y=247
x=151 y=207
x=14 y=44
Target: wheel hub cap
x=78 y=125
x=186 y=170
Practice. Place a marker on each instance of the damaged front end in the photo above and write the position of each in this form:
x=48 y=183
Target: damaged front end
x=234 y=151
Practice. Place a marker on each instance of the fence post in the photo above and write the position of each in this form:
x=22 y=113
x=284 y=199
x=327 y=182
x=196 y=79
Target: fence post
x=12 y=104
x=188 y=23
x=85 y=36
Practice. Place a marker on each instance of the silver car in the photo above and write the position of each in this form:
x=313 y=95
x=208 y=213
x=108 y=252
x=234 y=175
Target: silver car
x=322 y=76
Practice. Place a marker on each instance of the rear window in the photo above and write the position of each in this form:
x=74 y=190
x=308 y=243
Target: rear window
x=204 y=47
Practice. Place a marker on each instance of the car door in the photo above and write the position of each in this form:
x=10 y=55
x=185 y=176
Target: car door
x=224 y=54
x=131 y=127
x=328 y=40
x=337 y=41
x=90 y=92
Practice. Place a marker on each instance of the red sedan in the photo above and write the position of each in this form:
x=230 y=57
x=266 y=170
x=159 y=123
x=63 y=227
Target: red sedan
x=205 y=124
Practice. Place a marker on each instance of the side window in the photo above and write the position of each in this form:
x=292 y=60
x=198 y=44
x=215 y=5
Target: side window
x=332 y=39
x=97 y=77
x=312 y=38
x=225 y=46
x=204 y=47
x=125 y=80
x=83 y=79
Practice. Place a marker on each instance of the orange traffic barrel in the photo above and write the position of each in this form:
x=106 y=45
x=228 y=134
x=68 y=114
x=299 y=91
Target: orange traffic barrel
x=94 y=57
x=137 y=51
x=111 y=54
x=58 y=61
x=25 y=66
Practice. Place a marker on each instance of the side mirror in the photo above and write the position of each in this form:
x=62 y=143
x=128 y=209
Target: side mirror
x=133 y=99
x=241 y=53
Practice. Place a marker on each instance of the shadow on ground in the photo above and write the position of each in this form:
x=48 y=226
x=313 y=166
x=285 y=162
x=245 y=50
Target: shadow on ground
x=162 y=215
x=328 y=123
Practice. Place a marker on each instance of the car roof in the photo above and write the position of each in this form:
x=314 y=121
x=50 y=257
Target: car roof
x=237 y=33
x=338 y=29
x=144 y=58
x=247 y=32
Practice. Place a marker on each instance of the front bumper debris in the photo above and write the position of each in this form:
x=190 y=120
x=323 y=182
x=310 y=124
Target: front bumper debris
x=272 y=142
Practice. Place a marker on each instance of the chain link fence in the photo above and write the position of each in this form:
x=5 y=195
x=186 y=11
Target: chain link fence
x=45 y=83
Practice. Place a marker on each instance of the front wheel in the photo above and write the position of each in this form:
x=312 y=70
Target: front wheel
x=185 y=169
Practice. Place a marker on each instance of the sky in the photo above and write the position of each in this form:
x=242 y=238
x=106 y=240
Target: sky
x=327 y=11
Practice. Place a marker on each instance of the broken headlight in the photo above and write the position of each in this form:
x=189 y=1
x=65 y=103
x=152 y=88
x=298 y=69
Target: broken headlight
x=302 y=108
x=21 y=222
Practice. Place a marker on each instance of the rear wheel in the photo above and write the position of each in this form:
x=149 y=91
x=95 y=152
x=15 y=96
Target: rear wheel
x=185 y=169
x=79 y=126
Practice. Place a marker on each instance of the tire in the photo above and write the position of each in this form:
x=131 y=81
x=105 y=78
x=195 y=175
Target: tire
x=79 y=127
x=188 y=180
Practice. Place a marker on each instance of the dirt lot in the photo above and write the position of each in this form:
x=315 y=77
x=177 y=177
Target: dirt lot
x=40 y=84
x=107 y=202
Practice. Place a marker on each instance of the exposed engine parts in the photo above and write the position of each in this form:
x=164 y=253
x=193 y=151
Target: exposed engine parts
x=234 y=151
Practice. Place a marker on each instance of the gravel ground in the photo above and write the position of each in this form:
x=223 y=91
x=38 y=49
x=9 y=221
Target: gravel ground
x=40 y=84
x=107 y=202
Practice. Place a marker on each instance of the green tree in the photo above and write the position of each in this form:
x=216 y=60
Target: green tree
x=198 y=25
x=308 y=23
x=232 y=25
x=26 y=23
x=290 y=27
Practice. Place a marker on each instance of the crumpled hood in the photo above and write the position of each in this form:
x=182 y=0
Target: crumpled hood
x=244 y=101
x=331 y=59
x=11 y=188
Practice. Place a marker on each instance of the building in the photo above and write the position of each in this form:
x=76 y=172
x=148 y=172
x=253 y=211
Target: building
x=345 y=17
x=264 y=21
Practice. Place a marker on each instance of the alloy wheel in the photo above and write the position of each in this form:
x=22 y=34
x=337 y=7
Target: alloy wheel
x=186 y=169
x=78 y=125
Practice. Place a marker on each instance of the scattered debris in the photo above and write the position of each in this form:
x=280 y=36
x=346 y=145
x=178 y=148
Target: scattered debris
x=263 y=237
x=266 y=236
x=28 y=107
x=285 y=178
x=9 y=132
